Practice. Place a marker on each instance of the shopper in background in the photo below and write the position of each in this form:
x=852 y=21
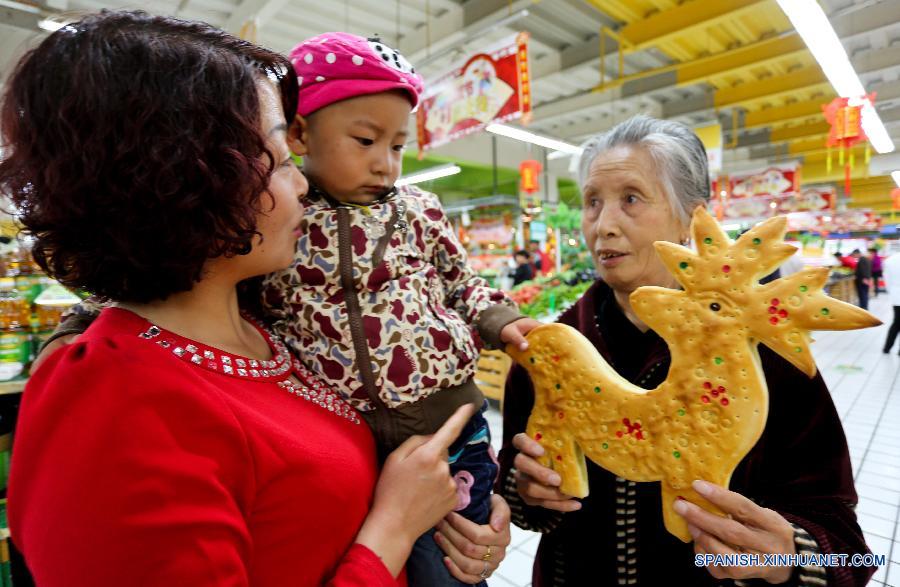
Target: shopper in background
x=842 y=261
x=892 y=282
x=877 y=269
x=178 y=442
x=540 y=260
x=524 y=270
x=793 y=493
x=863 y=275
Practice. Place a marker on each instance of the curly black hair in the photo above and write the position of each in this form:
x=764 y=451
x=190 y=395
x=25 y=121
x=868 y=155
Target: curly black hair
x=134 y=153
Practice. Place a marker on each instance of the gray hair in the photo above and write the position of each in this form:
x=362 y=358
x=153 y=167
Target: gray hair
x=678 y=152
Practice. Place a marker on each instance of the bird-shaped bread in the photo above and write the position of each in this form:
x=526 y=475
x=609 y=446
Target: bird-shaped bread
x=712 y=408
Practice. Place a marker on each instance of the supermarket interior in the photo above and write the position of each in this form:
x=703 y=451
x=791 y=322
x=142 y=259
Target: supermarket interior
x=796 y=102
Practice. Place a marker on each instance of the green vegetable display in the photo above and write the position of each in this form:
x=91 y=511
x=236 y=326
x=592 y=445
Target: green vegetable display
x=554 y=299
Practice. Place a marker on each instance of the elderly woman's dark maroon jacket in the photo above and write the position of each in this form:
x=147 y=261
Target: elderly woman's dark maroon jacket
x=800 y=467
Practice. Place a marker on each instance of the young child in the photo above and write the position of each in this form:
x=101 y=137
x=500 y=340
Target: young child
x=524 y=268
x=381 y=301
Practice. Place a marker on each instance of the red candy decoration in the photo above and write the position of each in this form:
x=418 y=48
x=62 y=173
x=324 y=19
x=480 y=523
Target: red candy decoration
x=707 y=385
x=538 y=436
x=773 y=309
x=705 y=399
x=631 y=429
x=558 y=457
x=724 y=401
x=726 y=268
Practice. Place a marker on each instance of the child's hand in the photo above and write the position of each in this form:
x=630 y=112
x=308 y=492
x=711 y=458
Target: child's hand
x=514 y=332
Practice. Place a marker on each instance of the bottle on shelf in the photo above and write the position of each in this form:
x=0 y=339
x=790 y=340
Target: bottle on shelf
x=15 y=327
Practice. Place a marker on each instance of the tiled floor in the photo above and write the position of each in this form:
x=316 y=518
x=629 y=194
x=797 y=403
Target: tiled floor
x=865 y=384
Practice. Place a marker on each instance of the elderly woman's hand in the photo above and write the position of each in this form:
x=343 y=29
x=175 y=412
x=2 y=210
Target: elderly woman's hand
x=537 y=484
x=474 y=552
x=751 y=529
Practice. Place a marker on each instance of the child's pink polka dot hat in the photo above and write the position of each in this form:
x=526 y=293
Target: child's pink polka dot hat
x=335 y=66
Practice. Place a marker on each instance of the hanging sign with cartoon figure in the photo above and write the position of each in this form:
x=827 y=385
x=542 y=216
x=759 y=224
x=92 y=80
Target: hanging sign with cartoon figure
x=491 y=86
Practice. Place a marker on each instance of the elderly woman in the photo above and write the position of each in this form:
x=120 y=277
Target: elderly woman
x=794 y=491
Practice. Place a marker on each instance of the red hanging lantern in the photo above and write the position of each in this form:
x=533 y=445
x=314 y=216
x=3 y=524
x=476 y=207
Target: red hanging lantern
x=530 y=171
x=846 y=130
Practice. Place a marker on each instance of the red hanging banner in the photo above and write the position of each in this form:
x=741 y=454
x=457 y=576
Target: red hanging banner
x=491 y=86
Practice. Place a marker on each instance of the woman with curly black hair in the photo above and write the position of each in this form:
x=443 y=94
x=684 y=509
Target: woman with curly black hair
x=177 y=442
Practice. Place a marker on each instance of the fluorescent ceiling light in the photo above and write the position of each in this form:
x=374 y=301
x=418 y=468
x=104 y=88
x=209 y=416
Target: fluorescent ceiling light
x=562 y=154
x=896 y=176
x=811 y=23
x=429 y=174
x=50 y=25
x=529 y=137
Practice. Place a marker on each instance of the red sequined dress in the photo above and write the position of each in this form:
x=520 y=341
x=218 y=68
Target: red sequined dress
x=144 y=458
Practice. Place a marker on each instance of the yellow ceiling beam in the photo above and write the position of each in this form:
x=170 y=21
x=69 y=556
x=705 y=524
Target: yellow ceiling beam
x=746 y=57
x=820 y=151
x=859 y=153
x=876 y=181
x=872 y=192
x=783 y=114
x=803 y=131
x=806 y=146
x=817 y=172
x=684 y=20
x=729 y=62
x=816 y=148
x=796 y=81
x=617 y=9
x=870 y=200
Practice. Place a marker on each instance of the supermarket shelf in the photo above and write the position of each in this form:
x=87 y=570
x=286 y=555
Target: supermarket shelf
x=14 y=386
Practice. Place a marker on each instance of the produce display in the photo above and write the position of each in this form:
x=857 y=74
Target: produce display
x=547 y=295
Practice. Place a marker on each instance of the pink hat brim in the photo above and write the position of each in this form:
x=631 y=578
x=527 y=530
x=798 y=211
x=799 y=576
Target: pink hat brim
x=321 y=94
